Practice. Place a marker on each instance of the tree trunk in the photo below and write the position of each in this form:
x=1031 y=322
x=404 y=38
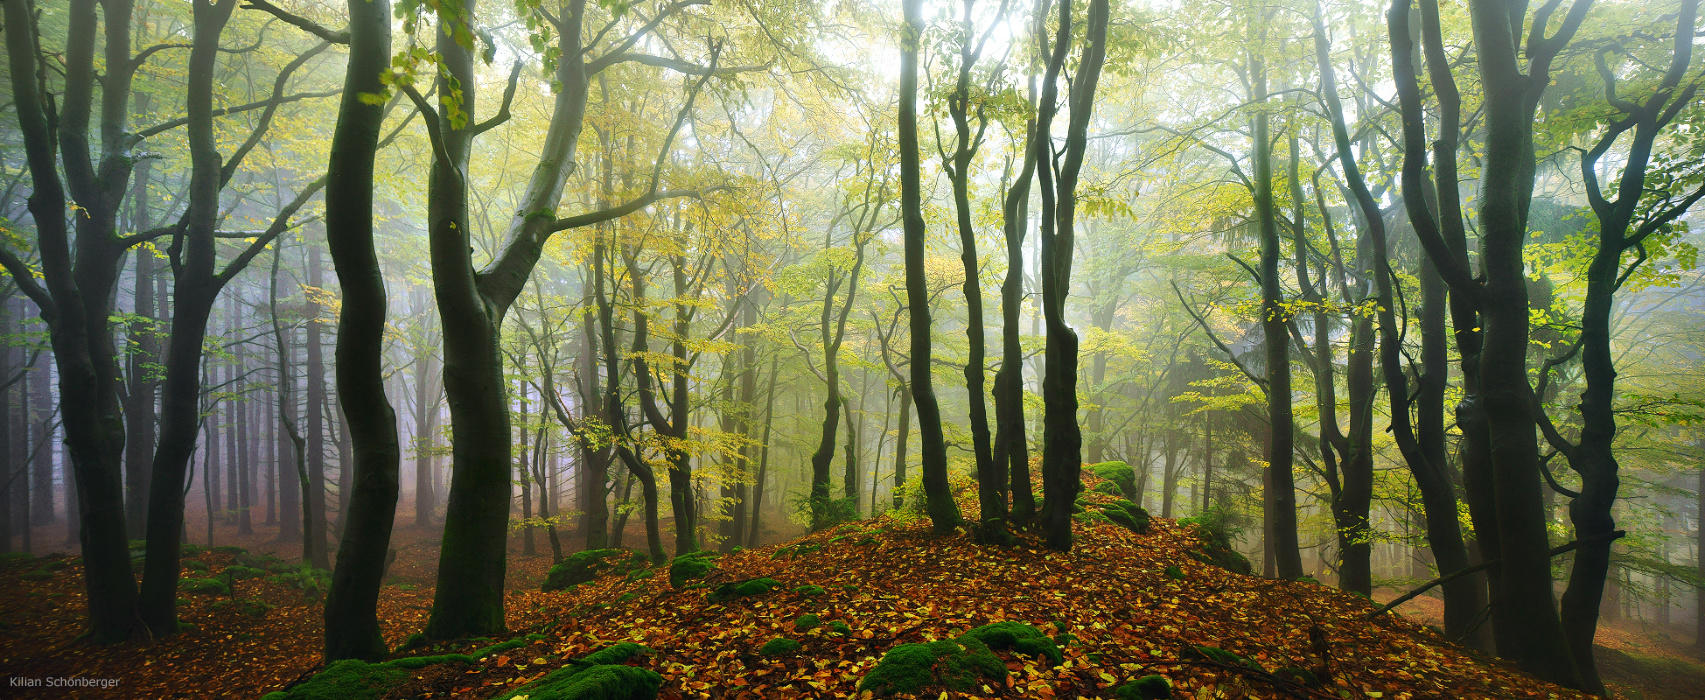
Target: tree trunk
x=192 y=302
x=1282 y=502
x=316 y=423
x=943 y=512
x=351 y=618
x=1061 y=438
x=74 y=295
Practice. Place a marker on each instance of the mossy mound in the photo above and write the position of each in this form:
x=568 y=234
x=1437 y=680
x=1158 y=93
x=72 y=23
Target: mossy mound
x=599 y=675
x=1019 y=637
x=1109 y=488
x=688 y=567
x=1128 y=515
x=347 y=680
x=239 y=572
x=778 y=647
x=312 y=582
x=839 y=627
x=807 y=621
x=1214 y=534
x=1173 y=572
x=1155 y=687
x=351 y=679
x=581 y=567
x=810 y=589
x=742 y=589
x=958 y=664
x=1120 y=474
x=217 y=586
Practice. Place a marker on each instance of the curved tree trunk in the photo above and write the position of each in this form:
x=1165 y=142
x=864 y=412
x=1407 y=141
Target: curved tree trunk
x=351 y=618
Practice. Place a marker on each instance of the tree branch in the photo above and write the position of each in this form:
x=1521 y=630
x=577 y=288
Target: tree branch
x=299 y=22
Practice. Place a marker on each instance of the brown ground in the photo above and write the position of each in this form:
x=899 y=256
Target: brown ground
x=1109 y=593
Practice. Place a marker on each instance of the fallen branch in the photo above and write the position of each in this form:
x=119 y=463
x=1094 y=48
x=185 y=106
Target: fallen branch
x=1447 y=578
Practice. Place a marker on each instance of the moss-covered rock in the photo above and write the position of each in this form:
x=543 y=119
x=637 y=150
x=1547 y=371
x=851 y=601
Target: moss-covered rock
x=742 y=589
x=958 y=664
x=1153 y=687
x=1128 y=515
x=807 y=621
x=810 y=589
x=1120 y=474
x=311 y=581
x=1172 y=571
x=688 y=567
x=599 y=675
x=779 y=647
x=239 y=572
x=584 y=566
x=347 y=680
x=1019 y=637
x=839 y=627
x=217 y=586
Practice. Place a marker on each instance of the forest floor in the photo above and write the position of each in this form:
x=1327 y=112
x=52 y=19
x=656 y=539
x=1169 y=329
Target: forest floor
x=888 y=580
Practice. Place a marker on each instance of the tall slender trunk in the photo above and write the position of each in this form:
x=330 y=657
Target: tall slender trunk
x=1436 y=214
x=943 y=512
x=763 y=454
x=1282 y=493
x=1061 y=437
x=75 y=291
x=351 y=619
x=316 y=420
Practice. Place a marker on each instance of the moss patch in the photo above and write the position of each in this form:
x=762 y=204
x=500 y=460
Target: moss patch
x=217 y=586
x=688 y=567
x=1154 y=687
x=807 y=621
x=599 y=675
x=743 y=589
x=347 y=680
x=581 y=567
x=780 y=646
x=957 y=664
x=1128 y=515
x=1019 y=637
x=1120 y=474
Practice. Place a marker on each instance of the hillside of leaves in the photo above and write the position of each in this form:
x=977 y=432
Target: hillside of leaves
x=1121 y=606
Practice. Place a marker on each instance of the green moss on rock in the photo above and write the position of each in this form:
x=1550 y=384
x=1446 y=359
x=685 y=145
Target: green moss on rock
x=688 y=567
x=742 y=589
x=807 y=621
x=839 y=627
x=778 y=647
x=957 y=664
x=347 y=680
x=238 y=572
x=810 y=589
x=1019 y=637
x=1172 y=571
x=1120 y=474
x=1128 y=515
x=581 y=567
x=1153 y=687
x=216 y=586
